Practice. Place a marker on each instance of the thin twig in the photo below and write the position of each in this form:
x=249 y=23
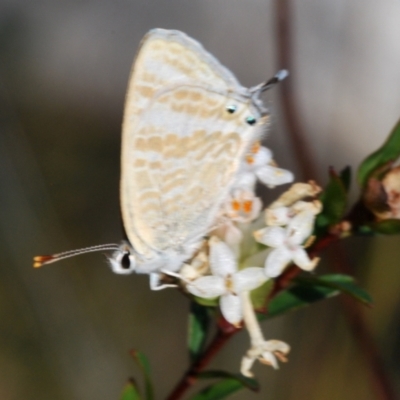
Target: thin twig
x=225 y=332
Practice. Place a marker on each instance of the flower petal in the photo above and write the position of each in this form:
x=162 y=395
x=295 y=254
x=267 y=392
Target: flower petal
x=274 y=346
x=231 y=234
x=274 y=349
x=301 y=259
x=231 y=308
x=272 y=176
x=207 y=287
x=248 y=279
x=268 y=358
x=277 y=216
x=276 y=261
x=273 y=236
x=245 y=366
x=245 y=180
x=222 y=259
x=262 y=157
x=300 y=227
x=256 y=209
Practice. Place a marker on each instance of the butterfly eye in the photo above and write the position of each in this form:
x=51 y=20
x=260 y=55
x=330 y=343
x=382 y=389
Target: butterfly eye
x=251 y=120
x=231 y=108
x=126 y=261
x=122 y=261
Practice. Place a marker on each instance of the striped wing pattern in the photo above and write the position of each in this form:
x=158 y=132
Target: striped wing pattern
x=181 y=148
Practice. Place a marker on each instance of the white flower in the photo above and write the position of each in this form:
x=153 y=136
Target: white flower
x=226 y=281
x=196 y=268
x=259 y=165
x=295 y=193
x=287 y=244
x=281 y=215
x=242 y=207
x=267 y=352
x=277 y=216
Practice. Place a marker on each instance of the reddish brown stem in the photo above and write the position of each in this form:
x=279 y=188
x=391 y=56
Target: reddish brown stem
x=225 y=332
x=283 y=281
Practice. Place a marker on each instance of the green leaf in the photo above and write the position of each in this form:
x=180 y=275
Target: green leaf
x=386 y=227
x=199 y=322
x=298 y=296
x=259 y=296
x=249 y=383
x=344 y=283
x=334 y=201
x=130 y=391
x=219 y=390
x=345 y=177
x=308 y=290
x=144 y=367
x=388 y=152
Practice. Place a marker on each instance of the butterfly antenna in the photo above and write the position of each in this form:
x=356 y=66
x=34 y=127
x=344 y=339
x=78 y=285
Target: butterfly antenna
x=278 y=77
x=39 y=261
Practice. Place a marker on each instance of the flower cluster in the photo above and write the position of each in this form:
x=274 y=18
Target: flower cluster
x=243 y=206
x=288 y=227
x=214 y=272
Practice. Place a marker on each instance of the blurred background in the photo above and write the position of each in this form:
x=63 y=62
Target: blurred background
x=65 y=330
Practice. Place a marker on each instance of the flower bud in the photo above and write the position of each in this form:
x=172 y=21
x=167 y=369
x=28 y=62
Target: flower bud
x=382 y=197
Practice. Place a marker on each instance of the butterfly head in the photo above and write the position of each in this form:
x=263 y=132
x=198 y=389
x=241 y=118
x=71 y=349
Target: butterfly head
x=123 y=261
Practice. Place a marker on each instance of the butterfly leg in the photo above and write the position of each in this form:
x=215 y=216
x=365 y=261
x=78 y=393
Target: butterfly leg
x=155 y=278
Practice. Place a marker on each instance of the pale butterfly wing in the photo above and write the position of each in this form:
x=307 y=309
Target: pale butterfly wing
x=166 y=57
x=187 y=126
x=181 y=146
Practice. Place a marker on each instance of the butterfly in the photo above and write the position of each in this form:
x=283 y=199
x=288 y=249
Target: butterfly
x=187 y=126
